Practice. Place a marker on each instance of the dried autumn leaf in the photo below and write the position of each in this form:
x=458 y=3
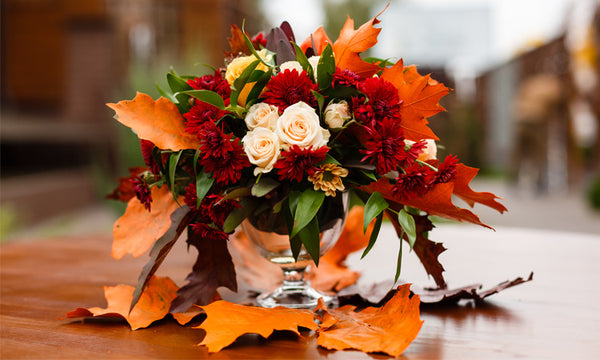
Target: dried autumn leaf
x=352 y=42
x=464 y=175
x=126 y=190
x=137 y=229
x=153 y=305
x=318 y=39
x=225 y=322
x=157 y=121
x=237 y=43
x=388 y=329
x=420 y=97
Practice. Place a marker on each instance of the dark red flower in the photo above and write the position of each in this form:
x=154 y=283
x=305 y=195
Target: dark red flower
x=413 y=153
x=199 y=114
x=344 y=77
x=295 y=162
x=384 y=146
x=382 y=95
x=217 y=209
x=414 y=182
x=363 y=111
x=226 y=166
x=214 y=143
x=214 y=83
x=259 y=39
x=289 y=87
x=142 y=192
x=447 y=170
x=208 y=232
x=147 y=148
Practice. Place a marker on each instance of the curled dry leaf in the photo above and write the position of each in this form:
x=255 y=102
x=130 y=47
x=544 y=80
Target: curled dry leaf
x=136 y=231
x=226 y=321
x=389 y=329
x=153 y=305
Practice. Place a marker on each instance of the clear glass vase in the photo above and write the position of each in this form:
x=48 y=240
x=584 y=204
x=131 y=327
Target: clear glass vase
x=268 y=231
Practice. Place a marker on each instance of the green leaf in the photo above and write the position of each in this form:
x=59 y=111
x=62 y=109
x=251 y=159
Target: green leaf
x=241 y=81
x=330 y=160
x=399 y=261
x=369 y=174
x=237 y=193
x=247 y=206
x=264 y=186
x=207 y=96
x=309 y=236
x=203 y=184
x=196 y=156
x=303 y=60
x=177 y=85
x=320 y=100
x=325 y=68
x=261 y=82
x=309 y=204
x=374 y=206
x=374 y=235
x=166 y=94
x=251 y=47
x=408 y=225
x=173 y=161
x=180 y=219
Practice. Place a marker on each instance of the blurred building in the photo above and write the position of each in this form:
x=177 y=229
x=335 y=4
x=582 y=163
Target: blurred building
x=62 y=60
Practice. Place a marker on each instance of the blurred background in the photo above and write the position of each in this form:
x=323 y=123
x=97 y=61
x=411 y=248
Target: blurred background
x=525 y=107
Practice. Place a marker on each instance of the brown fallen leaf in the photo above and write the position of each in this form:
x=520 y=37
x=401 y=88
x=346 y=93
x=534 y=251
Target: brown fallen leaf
x=137 y=229
x=388 y=329
x=153 y=305
x=226 y=321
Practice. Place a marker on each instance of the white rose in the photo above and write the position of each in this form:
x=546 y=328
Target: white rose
x=262 y=115
x=314 y=62
x=262 y=147
x=336 y=114
x=291 y=65
x=299 y=125
x=429 y=151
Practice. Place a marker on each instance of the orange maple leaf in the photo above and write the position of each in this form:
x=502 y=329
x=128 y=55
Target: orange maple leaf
x=464 y=175
x=226 y=321
x=137 y=229
x=153 y=305
x=389 y=329
x=420 y=97
x=159 y=122
x=352 y=42
x=318 y=39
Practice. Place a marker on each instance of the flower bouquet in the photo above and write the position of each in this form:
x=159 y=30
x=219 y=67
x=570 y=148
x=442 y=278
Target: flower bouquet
x=279 y=138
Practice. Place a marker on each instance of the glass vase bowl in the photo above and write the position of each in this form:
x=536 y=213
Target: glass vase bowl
x=269 y=233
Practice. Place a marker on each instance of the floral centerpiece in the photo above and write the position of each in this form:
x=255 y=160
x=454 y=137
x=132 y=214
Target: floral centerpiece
x=284 y=127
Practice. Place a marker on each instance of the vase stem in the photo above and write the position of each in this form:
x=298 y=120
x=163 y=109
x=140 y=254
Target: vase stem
x=293 y=277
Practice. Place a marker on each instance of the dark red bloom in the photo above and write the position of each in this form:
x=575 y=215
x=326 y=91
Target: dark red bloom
x=414 y=182
x=384 y=146
x=208 y=232
x=142 y=192
x=363 y=111
x=413 y=153
x=212 y=207
x=289 y=87
x=226 y=163
x=382 y=95
x=344 y=77
x=295 y=162
x=214 y=83
x=147 y=148
x=447 y=170
x=199 y=114
x=213 y=141
x=259 y=39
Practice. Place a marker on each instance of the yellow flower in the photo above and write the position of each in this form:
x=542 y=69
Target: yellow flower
x=237 y=66
x=329 y=178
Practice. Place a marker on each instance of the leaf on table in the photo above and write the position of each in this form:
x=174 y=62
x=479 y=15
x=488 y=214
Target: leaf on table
x=136 y=231
x=213 y=269
x=351 y=43
x=157 y=121
x=226 y=321
x=420 y=97
x=153 y=305
x=464 y=175
x=332 y=274
x=389 y=329
x=126 y=190
x=185 y=317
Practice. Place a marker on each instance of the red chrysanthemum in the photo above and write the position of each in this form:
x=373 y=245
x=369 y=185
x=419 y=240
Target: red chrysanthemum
x=344 y=77
x=447 y=170
x=212 y=207
x=384 y=146
x=199 y=114
x=147 y=148
x=289 y=87
x=363 y=111
x=208 y=232
x=214 y=143
x=214 y=83
x=226 y=166
x=413 y=153
x=295 y=162
x=415 y=181
x=382 y=96
x=142 y=192
x=259 y=39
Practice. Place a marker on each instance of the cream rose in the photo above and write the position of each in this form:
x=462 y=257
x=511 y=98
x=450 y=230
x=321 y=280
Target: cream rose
x=314 y=62
x=299 y=125
x=262 y=115
x=262 y=147
x=429 y=151
x=291 y=65
x=237 y=66
x=336 y=114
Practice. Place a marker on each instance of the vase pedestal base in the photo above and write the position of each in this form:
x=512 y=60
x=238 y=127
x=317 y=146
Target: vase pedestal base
x=295 y=297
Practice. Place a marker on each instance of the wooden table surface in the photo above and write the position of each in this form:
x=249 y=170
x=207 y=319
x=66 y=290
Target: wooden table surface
x=555 y=316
